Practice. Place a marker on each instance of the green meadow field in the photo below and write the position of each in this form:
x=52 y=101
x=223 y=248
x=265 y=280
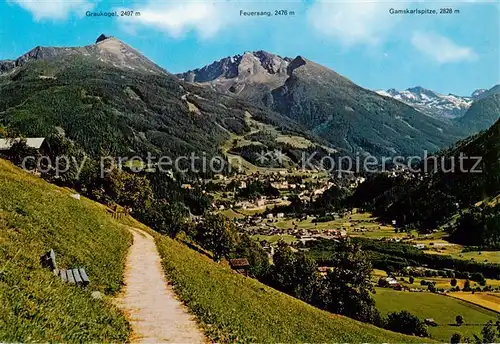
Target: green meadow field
x=443 y=309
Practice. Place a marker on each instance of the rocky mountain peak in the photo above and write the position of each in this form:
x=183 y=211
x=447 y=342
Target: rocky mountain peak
x=107 y=49
x=297 y=62
x=101 y=38
x=419 y=91
x=478 y=93
x=256 y=72
x=483 y=93
x=391 y=92
x=263 y=62
x=271 y=62
x=250 y=64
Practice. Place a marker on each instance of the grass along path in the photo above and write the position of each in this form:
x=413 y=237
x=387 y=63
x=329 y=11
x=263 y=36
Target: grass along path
x=155 y=313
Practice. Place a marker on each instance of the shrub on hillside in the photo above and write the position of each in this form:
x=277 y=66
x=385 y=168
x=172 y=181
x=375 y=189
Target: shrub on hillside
x=456 y=338
x=217 y=234
x=488 y=334
x=407 y=323
x=348 y=286
x=253 y=251
x=453 y=282
x=294 y=273
x=166 y=218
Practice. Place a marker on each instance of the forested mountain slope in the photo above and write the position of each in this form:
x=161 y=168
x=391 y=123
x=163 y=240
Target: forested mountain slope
x=113 y=101
x=482 y=113
x=466 y=174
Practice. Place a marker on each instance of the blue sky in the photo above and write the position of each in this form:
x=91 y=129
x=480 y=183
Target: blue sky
x=448 y=53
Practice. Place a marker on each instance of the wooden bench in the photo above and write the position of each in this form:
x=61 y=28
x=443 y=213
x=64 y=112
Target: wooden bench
x=76 y=276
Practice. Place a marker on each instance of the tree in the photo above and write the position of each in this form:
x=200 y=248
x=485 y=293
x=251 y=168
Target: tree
x=257 y=257
x=3 y=131
x=306 y=276
x=382 y=283
x=478 y=227
x=456 y=338
x=196 y=201
x=258 y=188
x=478 y=277
x=488 y=334
x=294 y=273
x=331 y=199
x=348 y=286
x=296 y=204
x=128 y=189
x=453 y=282
x=217 y=234
x=467 y=286
x=66 y=158
x=407 y=323
x=166 y=218
x=19 y=152
x=460 y=320
x=283 y=276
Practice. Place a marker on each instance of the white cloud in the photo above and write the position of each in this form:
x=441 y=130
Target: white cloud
x=54 y=9
x=440 y=48
x=351 y=23
x=175 y=18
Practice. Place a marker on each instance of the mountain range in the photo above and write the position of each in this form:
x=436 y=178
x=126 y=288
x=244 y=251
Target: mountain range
x=484 y=111
x=108 y=97
x=438 y=105
x=351 y=118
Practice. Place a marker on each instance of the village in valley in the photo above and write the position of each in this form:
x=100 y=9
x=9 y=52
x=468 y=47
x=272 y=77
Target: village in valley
x=271 y=208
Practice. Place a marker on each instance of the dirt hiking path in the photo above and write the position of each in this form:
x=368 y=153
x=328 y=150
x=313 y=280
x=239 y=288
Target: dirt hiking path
x=155 y=314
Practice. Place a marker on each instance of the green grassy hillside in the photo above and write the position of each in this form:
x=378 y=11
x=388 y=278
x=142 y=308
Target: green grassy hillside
x=442 y=309
x=234 y=308
x=35 y=306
